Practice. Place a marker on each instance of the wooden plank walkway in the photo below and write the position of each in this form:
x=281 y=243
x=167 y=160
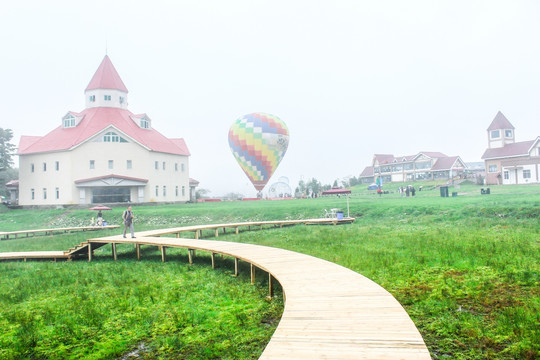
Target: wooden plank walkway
x=330 y=312
x=5 y=235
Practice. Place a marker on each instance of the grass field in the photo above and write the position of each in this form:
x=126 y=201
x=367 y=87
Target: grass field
x=466 y=269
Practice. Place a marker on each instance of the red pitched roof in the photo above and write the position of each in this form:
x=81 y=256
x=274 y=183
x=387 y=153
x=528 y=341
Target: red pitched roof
x=368 y=171
x=95 y=120
x=500 y=122
x=445 y=163
x=509 y=150
x=106 y=77
x=433 y=154
x=384 y=158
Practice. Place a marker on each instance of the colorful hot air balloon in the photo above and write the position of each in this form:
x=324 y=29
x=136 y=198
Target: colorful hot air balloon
x=259 y=141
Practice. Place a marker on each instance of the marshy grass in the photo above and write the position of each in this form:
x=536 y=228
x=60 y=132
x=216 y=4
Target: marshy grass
x=466 y=269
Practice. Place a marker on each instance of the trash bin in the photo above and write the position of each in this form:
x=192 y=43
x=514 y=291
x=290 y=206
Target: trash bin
x=444 y=191
x=339 y=215
x=104 y=223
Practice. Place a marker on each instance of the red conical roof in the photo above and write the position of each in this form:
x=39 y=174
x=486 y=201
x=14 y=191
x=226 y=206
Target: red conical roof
x=500 y=122
x=106 y=77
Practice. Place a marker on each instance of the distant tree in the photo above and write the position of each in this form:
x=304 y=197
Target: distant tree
x=5 y=177
x=335 y=184
x=315 y=186
x=233 y=196
x=201 y=193
x=7 y=149
x=354 y=181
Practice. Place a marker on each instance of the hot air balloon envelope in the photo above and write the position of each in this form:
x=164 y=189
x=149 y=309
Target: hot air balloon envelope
x=259 y=141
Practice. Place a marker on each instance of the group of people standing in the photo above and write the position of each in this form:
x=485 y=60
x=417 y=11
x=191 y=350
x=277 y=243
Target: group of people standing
x=408 y=190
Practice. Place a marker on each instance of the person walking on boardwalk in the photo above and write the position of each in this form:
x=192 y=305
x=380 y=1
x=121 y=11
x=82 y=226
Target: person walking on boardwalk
x=127 y=216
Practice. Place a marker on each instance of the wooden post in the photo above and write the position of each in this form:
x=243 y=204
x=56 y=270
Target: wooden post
x=235 y=266
x=213 y=256
x=224 y=230
x=252 y=274
x=237 y=230
x=270 y=287
x=89 y=251
x=217 y=232
x=114 y=251
x=138 y=247
x=162 y=253
x=196 y=234
x=178 y=234
x=190 y=256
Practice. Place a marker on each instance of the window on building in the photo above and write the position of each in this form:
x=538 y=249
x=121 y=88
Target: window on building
x=32 y=194
x=128 y=164
x=121 y=99
x=164 y=165
x=526 y=174
x=183 y=191
x=113 y=137
x=508 y=133
x=157 y=190
x=538 y=151
x=92 y=98
x=176 y=190
x=164 y=190
x=69 y=121
x=506 y=175
x=156 y=165
x=495 y=134
x=57 y=193
x=44 y=166
x=144 y=123
x=31 y=167
x=175 y=166
x=44 y=193
x=111 y=164
x=492 y=168
x=92 y=164
x=107 y=97
x=182 y=166
x=57 y=165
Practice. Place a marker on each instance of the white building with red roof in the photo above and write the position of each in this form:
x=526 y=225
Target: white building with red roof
x=508 y=161
x=425 y=165
x=103 y=154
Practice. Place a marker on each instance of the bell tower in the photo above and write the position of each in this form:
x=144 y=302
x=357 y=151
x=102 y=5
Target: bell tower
x=500 y=132
x=106 y=89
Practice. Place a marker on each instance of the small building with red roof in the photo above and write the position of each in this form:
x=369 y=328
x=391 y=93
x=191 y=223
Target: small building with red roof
x=426 y=165
x=507 y=161
x=103 y=154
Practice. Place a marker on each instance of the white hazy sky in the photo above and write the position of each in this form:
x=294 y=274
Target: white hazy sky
x=349 y=78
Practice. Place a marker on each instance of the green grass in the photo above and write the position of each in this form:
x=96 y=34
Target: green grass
x=466 y=269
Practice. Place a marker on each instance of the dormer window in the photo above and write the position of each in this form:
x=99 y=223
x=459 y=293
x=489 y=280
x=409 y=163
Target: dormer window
x=107 y=97
x=121 y=99
x=495 y=134
x=113 y=137
x=70 y=121
x=145 y=123
x=92 y=98
x=508 y=133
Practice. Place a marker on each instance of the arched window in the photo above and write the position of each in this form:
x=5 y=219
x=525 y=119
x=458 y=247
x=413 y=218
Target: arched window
x=113 y=137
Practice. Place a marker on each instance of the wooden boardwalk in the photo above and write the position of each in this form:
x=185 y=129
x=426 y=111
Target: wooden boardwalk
x=330 y=312
x=5 y=235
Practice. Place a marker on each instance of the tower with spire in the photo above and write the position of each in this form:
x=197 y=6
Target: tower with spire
x=507 y=161
x=500 y=132
x=103 y=154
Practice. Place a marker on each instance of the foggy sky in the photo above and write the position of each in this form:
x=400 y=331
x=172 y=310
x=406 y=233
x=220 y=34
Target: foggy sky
x=349 y=78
